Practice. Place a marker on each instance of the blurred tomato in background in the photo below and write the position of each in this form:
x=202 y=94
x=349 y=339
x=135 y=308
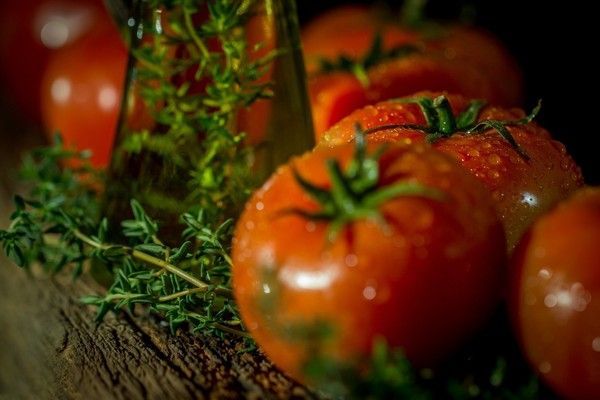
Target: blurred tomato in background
x=62 y=65
x=30 y=31
x=82 y=89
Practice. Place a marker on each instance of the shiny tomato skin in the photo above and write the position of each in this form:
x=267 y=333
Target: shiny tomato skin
x=82 y=91
x=30 y=31
x=555 y=296
x=522 y=189
x=424 y=280
x=452 y=58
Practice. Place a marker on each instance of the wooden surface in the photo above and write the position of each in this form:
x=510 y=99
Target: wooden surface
x=50 y=347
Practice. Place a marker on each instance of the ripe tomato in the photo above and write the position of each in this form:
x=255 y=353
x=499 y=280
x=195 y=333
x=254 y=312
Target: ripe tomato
x=421 y=272
x=82 y=90
x=522 y=188
x=555 y=296
x=457 y=59
x=30 y=31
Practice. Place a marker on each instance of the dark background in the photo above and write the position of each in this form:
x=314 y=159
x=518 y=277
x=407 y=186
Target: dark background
x=556 y=45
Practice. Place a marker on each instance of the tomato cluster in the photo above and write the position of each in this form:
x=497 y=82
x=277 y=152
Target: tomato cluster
x=455 y=58
x=415 y=216
x=401 y=239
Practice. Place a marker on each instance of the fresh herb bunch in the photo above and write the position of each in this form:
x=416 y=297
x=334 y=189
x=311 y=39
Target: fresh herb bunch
x=192 y=78
x=58 y=225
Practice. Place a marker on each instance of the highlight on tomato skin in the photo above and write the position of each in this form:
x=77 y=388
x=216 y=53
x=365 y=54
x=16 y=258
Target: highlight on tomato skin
x=455 y=58
x=555 y=296
x=423 y=276
x=525 y=181
x=82 y=91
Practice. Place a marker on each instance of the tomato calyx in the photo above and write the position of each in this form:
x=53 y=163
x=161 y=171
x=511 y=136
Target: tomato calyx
x=354 y=193
x=374 y=56
x=441 y=122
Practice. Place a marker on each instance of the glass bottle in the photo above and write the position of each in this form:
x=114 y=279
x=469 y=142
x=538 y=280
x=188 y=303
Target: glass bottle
x=215 y=101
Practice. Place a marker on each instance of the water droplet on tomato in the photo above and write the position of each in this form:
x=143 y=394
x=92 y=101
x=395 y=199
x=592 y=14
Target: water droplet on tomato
x=369 y=292
x=494 y=159
x=60 y=90
x=550 y=300
x=351 y=260
x=266 y=288
x=596 y=344
x=473 y=153
x=545 y=367
x=545 y=273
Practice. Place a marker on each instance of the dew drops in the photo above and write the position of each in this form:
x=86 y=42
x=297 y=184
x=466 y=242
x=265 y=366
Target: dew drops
x=369 y=292
x=372 y=111
x=55 y=33
x=529 y=199
x=250 y=225
x=473 y=153
x=545 y=367
x=596 y=344
x=266 y=289
x=60 y=90
x=545 y=273
x=260 y=206
x=108 y=98
x=494 y=159
x=351 y=260
x=311 y=226
x=550 y=301
x=498 y=195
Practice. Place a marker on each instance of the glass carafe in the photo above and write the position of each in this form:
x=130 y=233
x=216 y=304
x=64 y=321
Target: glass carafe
x=215 y=101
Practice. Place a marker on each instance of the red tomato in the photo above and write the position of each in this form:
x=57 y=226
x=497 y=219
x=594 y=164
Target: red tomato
x=522 y=188
x=423 y=275
x=82 y=90
x=457 y=59
x=30 y=30
x=555 y=296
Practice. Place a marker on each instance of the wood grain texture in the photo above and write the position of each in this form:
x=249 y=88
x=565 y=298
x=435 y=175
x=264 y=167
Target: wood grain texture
x=50 y=347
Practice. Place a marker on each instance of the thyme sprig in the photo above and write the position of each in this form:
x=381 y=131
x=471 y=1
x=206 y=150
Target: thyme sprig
x=58 y=225
x=194 y=99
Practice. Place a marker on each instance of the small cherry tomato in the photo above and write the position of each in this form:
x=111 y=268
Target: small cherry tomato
x=555 y=296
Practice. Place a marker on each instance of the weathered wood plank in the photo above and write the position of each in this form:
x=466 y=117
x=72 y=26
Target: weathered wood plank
x=51 y=348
